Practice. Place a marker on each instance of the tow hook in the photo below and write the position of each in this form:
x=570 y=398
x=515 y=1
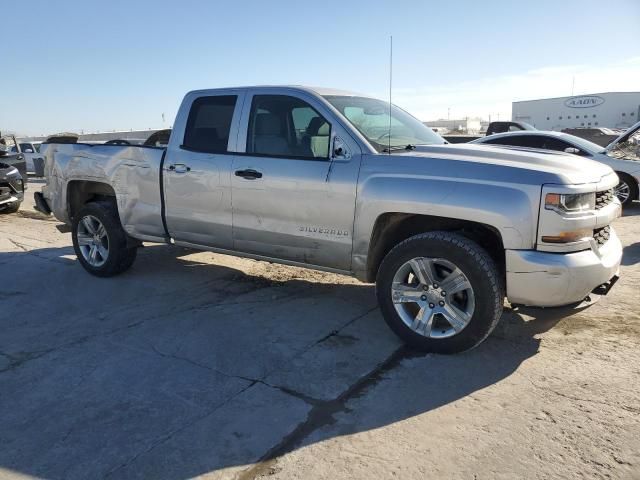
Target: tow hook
x=605 y=287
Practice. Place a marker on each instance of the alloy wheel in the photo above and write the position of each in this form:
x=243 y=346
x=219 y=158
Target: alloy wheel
x=622 y=191
x=93 y=241
x=433 y=297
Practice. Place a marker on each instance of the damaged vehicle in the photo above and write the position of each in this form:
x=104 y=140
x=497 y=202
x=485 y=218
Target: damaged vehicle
x=346 y=183
x=627 y=145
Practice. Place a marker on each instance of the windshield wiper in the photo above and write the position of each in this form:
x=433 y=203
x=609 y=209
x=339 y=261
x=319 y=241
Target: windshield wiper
x=395 y=148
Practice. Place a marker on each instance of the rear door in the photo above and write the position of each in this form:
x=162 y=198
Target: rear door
x=196 y=170
x=293 y=199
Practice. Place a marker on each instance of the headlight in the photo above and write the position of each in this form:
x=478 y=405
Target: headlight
x=570 y=202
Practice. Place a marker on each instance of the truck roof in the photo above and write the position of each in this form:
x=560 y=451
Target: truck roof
x=322 y=91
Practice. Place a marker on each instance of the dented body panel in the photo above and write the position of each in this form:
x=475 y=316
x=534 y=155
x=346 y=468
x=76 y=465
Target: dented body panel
x=133 y=172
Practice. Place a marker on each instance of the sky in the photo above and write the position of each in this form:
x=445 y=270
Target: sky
x=89 y=65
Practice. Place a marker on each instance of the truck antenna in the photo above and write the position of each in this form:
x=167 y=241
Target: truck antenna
x=390 y=83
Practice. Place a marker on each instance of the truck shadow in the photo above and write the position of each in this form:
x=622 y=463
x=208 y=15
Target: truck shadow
x=137 y=376
x=631 y=254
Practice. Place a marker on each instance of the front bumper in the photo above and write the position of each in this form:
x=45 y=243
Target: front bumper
x=18 y=197
x=11 y=191
x=541 y=279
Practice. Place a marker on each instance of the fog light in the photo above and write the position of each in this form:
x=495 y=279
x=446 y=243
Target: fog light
x=568 y=237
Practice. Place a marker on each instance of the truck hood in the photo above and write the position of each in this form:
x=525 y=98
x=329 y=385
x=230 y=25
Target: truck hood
x=621 y=139
x=511 y=164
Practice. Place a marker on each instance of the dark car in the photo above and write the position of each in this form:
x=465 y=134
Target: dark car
x=11 y=154
x=502 y=127
x=11 y=188
x=158 y=139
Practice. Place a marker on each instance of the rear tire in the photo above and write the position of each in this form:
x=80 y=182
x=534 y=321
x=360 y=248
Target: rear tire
x=412 y=285
x=99 y=240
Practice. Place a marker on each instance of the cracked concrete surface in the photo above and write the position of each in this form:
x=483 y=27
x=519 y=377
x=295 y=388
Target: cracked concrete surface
x=201 y=365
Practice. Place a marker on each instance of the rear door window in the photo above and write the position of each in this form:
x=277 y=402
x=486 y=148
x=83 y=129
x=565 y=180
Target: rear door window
x=209 y=124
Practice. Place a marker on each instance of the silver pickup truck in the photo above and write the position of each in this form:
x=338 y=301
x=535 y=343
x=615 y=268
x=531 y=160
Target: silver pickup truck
x=342 y=182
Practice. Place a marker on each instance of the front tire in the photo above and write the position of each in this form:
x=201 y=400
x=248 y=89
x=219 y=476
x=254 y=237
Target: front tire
x=440 y=292
x=99 y=240
x=10 y=207
x=626 y=190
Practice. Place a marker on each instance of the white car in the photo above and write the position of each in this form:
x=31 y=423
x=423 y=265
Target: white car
x=35 y=161
x=622 y=155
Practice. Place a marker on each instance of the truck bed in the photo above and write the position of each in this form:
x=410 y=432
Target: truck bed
x=134 y=172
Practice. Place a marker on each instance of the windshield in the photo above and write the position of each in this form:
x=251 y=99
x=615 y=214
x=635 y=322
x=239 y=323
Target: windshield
x=371 y=118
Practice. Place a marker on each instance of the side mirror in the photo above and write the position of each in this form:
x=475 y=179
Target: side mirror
x=340 y=150
x=573 y=150
x=28 y=150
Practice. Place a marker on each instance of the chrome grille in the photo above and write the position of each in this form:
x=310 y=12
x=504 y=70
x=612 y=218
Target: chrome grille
x=604 y=198
x=601 y=235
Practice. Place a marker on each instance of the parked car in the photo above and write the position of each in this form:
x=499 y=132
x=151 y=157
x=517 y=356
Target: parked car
x=628 y=170
x=117 y=141
x=501 y=127
x=159 y=138
x=600 y=136
x=10 y=154
x=319 y=179
x=33 y=159
x=492 y=128
x=11 y=188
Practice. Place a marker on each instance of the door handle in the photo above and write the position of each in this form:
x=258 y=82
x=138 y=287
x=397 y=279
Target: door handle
x=179 y=168
x=249 y=174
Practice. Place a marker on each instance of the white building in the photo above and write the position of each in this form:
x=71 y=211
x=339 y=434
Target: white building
x=608 y=110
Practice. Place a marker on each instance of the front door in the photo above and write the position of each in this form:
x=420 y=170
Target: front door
x=196 y=173
x=291 y=199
